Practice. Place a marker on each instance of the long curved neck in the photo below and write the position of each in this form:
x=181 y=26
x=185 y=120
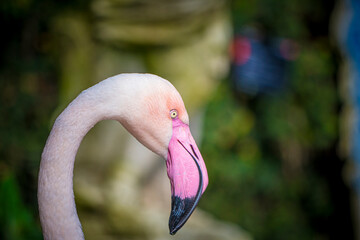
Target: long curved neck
x=57 y=209
x=123 y=98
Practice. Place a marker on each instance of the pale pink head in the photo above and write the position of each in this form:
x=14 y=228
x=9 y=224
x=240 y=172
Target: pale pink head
x=164 y=129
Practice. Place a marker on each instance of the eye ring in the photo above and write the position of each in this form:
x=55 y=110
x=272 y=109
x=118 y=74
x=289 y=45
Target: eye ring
x=173 y=113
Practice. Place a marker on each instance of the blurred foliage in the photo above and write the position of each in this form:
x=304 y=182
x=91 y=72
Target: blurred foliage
x=15 y=220
x=27 y=98
x=268 y=155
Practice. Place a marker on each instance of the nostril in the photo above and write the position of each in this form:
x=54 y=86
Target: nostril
x=192 y=148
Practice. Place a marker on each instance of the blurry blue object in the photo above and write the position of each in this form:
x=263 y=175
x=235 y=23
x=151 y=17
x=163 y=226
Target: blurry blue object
x=352 y=42
x=353 y=45
x=260 y=66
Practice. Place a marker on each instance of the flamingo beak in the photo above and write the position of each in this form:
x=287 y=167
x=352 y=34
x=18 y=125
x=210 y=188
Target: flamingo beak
x=187 y=173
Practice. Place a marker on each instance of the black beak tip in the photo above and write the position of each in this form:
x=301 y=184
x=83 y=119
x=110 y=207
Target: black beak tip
x=175 y=226
x=181 y=210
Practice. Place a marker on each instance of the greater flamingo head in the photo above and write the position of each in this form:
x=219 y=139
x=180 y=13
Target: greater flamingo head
x=159 y=121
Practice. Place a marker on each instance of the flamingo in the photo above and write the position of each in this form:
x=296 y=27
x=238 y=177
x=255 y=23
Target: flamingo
x=152 y=110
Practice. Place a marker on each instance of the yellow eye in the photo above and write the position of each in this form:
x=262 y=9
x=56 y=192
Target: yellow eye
x=173 y=113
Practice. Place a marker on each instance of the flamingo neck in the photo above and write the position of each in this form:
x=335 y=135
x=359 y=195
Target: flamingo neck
x=57 y=209
x=121 y=98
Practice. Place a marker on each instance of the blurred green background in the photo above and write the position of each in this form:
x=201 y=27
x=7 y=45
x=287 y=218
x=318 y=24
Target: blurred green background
x=274 y=162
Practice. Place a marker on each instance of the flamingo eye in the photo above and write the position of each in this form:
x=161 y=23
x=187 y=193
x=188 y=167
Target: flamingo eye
x=173 y=114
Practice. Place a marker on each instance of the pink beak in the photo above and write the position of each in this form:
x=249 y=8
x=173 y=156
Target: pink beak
x=187 y=173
